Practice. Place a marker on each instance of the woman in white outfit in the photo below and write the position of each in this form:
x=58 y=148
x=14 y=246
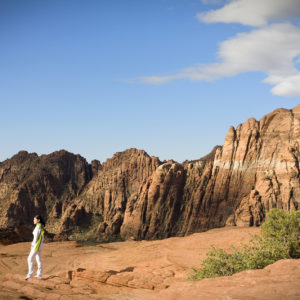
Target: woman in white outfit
x=36 y=248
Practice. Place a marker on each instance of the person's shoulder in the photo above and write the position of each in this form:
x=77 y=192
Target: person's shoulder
x=40 y=226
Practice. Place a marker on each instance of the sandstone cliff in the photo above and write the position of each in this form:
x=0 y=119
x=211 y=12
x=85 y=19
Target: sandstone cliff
x=105 y=198
x=45 y=185
x=135 y=196
x=256 y=169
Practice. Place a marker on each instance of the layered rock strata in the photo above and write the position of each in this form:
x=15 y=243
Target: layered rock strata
x=135 y=196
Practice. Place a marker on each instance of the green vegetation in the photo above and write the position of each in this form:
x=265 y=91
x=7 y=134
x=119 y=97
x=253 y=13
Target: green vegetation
x=279 y=239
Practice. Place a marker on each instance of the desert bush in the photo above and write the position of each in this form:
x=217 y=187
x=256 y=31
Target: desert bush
x=279 y=239
x=283 y=227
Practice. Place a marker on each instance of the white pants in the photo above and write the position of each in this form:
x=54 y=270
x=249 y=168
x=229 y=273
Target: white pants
x=38 y=258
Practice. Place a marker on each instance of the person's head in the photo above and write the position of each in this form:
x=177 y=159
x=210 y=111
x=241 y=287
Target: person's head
x=38 y=219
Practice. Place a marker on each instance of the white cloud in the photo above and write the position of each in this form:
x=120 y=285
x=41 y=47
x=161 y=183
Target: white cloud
x=288 y=86
x=211 y=2
x=252 y=12
x=159 y=79
x=272 y=49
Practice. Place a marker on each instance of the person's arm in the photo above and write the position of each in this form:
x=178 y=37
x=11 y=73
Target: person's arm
x=36 y=234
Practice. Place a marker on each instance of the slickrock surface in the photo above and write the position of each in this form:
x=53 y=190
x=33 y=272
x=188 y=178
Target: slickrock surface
x=142 y=270
x=134 y=196
x=278 y=281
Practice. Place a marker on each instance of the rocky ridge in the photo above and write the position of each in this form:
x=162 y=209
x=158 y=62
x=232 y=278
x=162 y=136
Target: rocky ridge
x=135 y=196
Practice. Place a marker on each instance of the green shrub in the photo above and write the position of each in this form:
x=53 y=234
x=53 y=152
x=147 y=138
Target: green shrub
x=283 y=227
x=279 y=239
x=220 y=263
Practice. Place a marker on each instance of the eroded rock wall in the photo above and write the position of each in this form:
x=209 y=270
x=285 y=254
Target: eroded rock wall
x=110 y=192
x=45 y=185
x=135 y=196
x=255 y=170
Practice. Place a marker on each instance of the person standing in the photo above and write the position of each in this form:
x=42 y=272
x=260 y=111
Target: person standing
x=36 y=248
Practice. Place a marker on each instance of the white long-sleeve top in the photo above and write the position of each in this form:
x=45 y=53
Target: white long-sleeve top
x=36 y=234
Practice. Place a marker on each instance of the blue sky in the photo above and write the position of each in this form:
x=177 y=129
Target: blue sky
x=167 y=76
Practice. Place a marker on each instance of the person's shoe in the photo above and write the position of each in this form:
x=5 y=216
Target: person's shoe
x=27 y=277
x=38 y=277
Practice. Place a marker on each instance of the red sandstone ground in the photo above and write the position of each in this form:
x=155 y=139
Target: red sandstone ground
x=142 y=270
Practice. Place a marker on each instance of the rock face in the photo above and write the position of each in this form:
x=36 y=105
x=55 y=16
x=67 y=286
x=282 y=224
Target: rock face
x=135 y=196
x=44 y=185
x=106 y=197
x=256 y=169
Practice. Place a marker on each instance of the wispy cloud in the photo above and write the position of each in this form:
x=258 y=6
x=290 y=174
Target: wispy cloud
x=273 y=49
x=252 y=12
x=211 y=2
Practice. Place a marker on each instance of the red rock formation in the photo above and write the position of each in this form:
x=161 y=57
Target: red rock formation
x=153 y=212
x=45 y=185
x=143 y=270
x=135 y=196
x=256 y=169
x=108 y=194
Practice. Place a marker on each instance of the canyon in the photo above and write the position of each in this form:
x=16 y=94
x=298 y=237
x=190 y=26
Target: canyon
x=134 y=196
